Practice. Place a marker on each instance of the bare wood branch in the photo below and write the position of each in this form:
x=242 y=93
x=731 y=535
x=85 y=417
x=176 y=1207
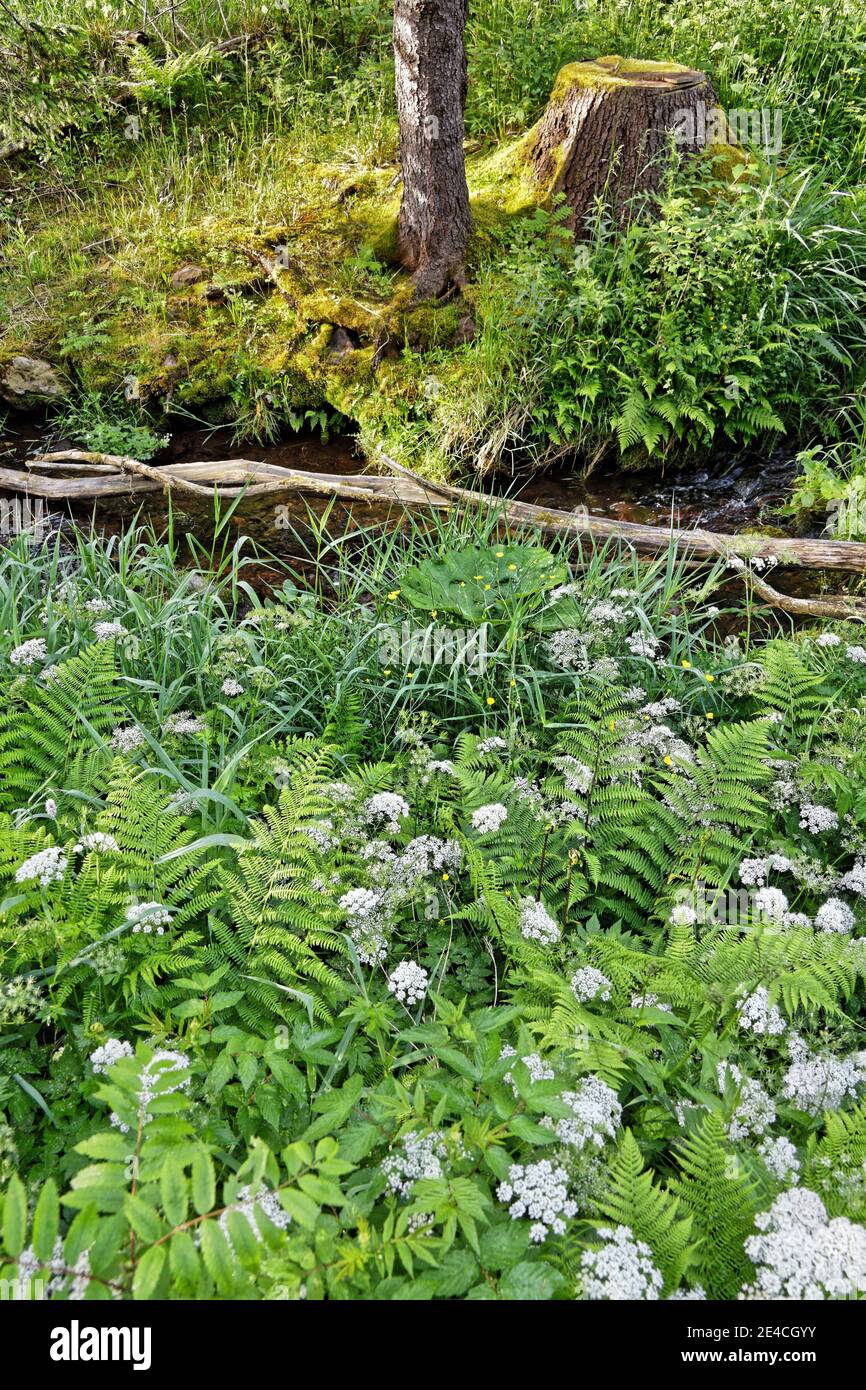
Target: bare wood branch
x=116 y=475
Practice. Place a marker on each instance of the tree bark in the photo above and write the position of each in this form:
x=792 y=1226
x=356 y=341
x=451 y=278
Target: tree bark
x=430 y=66
x=607 y=128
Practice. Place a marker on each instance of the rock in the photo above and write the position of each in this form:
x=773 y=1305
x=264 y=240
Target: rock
x=341 y=343
x=187 y=275
x=27 y=381
x=465 y=330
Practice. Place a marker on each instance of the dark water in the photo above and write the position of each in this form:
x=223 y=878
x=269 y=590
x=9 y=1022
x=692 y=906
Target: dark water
x=728 y=495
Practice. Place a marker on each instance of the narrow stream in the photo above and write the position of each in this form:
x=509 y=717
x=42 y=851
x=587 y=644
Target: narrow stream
x=743 y=492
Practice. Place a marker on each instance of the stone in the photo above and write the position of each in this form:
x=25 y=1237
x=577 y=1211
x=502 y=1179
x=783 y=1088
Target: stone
x=187 y=275
x=28 y=381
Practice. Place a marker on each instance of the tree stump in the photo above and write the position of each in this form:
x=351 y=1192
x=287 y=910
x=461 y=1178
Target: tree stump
x=607 y=128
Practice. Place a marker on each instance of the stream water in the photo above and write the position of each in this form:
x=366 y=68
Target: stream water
x=743 y=492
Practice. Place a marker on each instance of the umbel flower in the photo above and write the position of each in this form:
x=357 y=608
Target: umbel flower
x=48 y=865
x=539 y=1191
x=802 y=1254
x=536 y=923
x=623 y=1269
x=408 y=982
x=588 y=983
x=487 y=819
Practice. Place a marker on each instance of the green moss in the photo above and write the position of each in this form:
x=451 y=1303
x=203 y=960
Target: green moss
x=610 y=72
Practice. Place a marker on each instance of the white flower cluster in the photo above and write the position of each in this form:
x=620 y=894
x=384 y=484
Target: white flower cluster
x=97 y=840
x=817 y=819
x=231 y=687
x=567 y=647
x=540 y=1191
x=834 y=916
x=48 y=865
x=605 y=614
x=856 y=654
x=110 y=1052
x=420 y=858
x=536 y=923
x=683 y=915
x=657 y=710
x=105 y=632
x=492 y=745
x=126 y=740
x=818 y=1081
x=588 y=983
x=365 y=909
x=538 y=1069
x=487 y=819
x=828 y=639
x=421 y=1156
x=753 y=872
x=164 y=1064
x=647 y=1000
x=31 y=1270
x=781 y=1159
x=804 y=1255
x=148 y=917
x=622 y=1270
x=247 y=1204
x=443 y=765
x=596 y=1114
x=643 y=644
x=184 y=723
x=29 y=653
x=771 y=905
x=386 y=808
x=758 y=1015
x=319 y=833
x=97 y=605
x=755 y=1111
x=855 y=879
x=408 y=982
x=575 y=774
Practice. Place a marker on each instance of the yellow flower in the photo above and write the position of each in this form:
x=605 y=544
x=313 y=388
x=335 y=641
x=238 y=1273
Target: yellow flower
x=668 y=760
x=499 y=554
x=490 y=700
x=611 y=724
x=710 y=679
x=512 y=567
x=487 y=586
x=478 y=576
x=444 y=878
x=393 y=594
x=711 y=715
x=410 y=675
x=512 y=682
x=434 y=612
x=387 y=671
x=686 y=665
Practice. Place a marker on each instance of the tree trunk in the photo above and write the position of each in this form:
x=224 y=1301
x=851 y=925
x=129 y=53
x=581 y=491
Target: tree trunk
x=607 y=129
x=430 y=63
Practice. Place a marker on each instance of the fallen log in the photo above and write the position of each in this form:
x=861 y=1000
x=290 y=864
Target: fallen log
x=115 y=475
